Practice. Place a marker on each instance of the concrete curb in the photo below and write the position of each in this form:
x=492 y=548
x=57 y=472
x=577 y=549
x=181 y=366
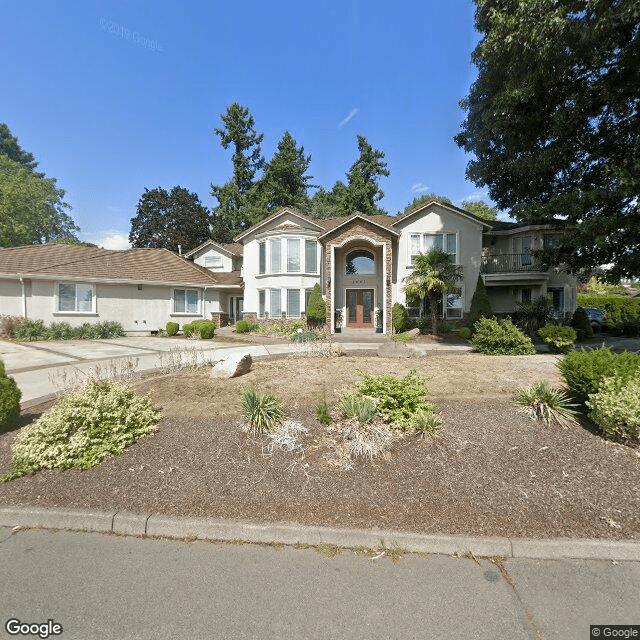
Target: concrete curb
x=283 y=533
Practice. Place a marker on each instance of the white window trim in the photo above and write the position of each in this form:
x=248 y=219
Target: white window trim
x=185 y=313
x=56 y=300
x=284 y=256
x=444 y=235
x=218 y=265
x=300 y=301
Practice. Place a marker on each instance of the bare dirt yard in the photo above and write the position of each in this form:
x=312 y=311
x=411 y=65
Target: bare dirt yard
x=489 y=470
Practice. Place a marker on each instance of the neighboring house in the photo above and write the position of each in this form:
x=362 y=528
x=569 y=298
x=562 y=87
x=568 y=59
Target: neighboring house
x=142 y=289
x=360 y=262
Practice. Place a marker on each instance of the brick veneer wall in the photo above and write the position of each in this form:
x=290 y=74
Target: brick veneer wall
x=221 y=319
x=358 y=229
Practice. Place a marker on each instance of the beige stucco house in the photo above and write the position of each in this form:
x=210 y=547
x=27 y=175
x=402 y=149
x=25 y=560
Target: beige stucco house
x=359 y=261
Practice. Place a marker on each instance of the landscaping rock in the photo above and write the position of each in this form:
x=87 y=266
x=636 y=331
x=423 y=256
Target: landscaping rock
x=394 y=350
x=232 y=366
x=414 y=332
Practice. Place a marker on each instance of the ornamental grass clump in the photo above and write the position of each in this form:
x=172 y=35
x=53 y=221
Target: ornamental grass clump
x=543 y=402
x=262 y=411
x=102 y=419
x=355 y=405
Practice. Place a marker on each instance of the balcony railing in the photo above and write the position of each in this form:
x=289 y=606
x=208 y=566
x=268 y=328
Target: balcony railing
x=510 y=263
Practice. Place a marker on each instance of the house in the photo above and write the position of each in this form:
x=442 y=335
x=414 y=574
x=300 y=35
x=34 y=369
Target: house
x=268 y=273
x=142 y=289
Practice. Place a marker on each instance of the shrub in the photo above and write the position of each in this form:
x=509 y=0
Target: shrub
x=304 y=336
x=203 y=329
x=9 y=398
x=355 y=405
x=464 y=333
x=316 y=312
x=172 y=328
x=424 y=324
x=322 y=411
x=85 y=427
x=533 y=315
x=559 y=338
x=399 y=317
x=541 y=401
x=616 y=407
x=617 y=308
x=581 y=323
x=585 y=371
x=444 y=328
x=262 y=411
x=398 y=400
x=630 y=327
x=404 y=337
x=500 y=337
x=8 y=325
x=244 y=326
x=480 y=305
x=30 y=330
x=59 y=331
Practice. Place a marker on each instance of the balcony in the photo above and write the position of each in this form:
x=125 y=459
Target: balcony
x=510 y=263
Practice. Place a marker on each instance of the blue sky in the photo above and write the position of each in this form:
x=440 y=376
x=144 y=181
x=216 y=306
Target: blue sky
x=115 y=97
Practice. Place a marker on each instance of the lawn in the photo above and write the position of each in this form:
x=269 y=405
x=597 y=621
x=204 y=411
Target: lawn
x=489 y=470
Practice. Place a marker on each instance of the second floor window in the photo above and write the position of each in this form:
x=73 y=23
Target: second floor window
x=262 y=257
x=424 y=242
x=522 y=246
x=293 y=255
x=275 y=254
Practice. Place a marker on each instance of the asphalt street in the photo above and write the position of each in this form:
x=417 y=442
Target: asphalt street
x=106 y=586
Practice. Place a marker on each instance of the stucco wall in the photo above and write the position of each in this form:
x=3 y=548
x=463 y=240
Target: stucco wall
x=440 y=220
x=143 y=309
x=208 y=252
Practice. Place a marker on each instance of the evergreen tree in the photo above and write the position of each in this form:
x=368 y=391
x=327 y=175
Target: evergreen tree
x=316 y=312
x=362 y=190
x=418 y=200
x=238 y=199
x=480 y=305
x=328 y=204
x=285 y=182
x=167 y=220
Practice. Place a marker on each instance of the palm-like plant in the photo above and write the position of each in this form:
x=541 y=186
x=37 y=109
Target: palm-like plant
x=434 y=274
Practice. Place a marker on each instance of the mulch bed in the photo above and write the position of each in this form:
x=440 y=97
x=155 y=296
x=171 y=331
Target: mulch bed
x=490 y=470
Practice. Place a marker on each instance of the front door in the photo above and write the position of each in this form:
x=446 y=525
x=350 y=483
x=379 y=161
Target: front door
x=359 y=308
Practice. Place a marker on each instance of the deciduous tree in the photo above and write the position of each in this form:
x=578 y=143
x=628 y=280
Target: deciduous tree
x=553 y=121
x=166 y=220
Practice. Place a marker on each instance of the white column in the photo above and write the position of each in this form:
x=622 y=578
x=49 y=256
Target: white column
x=332 y=296
x=384 y=288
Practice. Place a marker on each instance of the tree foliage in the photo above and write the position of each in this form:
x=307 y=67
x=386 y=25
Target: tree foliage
x=32 y=209
x=434 y=274
x=480 y=209
x=427 y=197
x=285 y=183
x=165 y=220
x=363 y=190
x=553 y=121
x=238 y=207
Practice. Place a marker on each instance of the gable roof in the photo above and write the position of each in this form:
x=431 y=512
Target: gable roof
x=450 y=207
x=159 y=266
x=232 y=248
x=273 y=216
x=379 y=221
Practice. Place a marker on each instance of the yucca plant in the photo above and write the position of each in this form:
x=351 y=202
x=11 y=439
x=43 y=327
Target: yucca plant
x=322 y=411
x=263 y=411
x=426 y=422
x=544 y=402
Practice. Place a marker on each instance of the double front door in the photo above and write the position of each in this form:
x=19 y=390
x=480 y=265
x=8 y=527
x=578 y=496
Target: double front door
x=359 y=308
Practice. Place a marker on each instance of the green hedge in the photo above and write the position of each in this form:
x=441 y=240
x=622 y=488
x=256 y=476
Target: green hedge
x=585 y=371
x=244 y=326
x=31 y=330
x=172 y=328
x=559 y=338
x=399 y=317
x=617 y=308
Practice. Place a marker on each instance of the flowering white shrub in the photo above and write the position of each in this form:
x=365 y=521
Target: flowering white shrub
x=616 y=407
x=86 y=426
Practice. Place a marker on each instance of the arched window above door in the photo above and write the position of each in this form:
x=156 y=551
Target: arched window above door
x=360 y=262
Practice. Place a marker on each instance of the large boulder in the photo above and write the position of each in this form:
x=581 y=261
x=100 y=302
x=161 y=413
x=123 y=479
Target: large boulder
x=232 y=366
x=394 y=350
